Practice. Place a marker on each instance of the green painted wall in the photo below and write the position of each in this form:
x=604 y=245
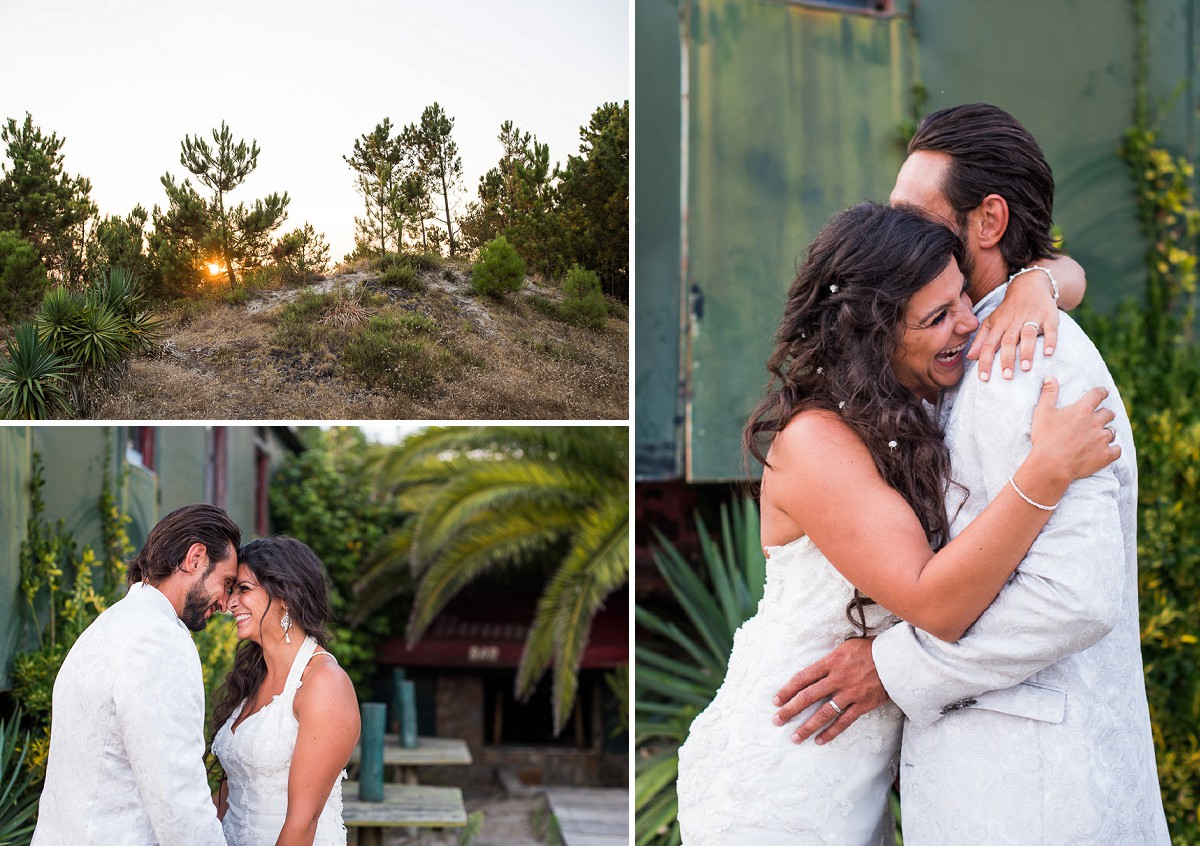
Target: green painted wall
x=15 y=449
x=791 y=112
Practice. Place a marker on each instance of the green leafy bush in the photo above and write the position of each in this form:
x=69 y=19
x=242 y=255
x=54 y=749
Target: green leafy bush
x=22 y=276
x=583 y=301
x=390 y=353
x=402 y=276
x=498 y=270
x=64 y=589
x=300 y=326
x=318 y=495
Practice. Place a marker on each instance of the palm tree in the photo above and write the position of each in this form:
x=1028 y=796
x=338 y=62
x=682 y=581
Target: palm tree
x=484 y=497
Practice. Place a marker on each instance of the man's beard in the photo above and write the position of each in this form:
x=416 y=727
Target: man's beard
x=194 y=606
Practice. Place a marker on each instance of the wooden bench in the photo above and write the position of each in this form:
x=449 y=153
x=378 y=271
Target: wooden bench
x=429 y=752
x=403 y=805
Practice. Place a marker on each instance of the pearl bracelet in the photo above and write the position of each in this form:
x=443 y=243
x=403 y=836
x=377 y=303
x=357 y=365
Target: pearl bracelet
x=1012 y=480
x=1049 y=275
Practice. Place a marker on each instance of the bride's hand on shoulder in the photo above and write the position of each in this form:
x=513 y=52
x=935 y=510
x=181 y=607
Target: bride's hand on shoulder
x=1028 y=309
x=1076 y=438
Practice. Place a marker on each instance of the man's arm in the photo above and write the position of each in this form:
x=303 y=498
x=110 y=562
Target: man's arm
x=159 y=707
x=1065 y=596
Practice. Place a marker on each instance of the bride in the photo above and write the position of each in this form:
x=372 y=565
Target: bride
x=875 y=326
x=286 y=719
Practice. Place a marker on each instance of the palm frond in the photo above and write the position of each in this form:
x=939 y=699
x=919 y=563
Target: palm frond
x=597 y=564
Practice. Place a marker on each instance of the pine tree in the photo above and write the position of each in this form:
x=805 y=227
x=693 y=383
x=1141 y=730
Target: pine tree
x=595 y=197
x=439 y=161
x=517 y=199
x=376 y=162
x=38 y=199
x=240 y=236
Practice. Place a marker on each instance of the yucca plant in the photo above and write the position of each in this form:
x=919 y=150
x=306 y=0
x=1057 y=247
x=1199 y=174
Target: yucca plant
x=680 y=667
x=57 y=315
x=119 y=291
x=99 y=337
x=18 y=789
x=34 y=379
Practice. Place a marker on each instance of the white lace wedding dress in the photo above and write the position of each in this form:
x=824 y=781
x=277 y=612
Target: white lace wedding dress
x=257 y=759
x=741 y=779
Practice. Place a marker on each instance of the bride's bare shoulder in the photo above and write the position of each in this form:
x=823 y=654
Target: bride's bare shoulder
x=814 y=435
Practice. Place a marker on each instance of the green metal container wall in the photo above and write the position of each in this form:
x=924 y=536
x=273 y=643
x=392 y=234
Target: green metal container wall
x=792 y=112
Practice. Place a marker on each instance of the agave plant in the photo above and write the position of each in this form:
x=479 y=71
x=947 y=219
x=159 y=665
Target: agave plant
x=119 y=291
x=18 y=790
x=678 y=675
x=34 y=379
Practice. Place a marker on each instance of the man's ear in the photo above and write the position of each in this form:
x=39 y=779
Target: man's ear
x=991 y=220
x=195 y=557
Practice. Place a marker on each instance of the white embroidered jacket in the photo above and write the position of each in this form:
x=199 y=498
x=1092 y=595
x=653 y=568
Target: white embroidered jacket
x=126 y=761
x=1033 y=728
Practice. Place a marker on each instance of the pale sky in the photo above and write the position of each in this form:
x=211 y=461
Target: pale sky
x=125 y=81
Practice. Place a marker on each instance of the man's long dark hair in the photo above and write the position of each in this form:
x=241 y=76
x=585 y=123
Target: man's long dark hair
x=168 y=542
x=992 y=153
x=842 y=323
x=290 y=573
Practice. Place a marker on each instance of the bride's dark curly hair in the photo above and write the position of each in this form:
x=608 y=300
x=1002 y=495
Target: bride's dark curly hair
x=290 y=573
x=842 y=323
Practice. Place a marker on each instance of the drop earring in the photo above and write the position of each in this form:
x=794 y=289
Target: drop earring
x=286 y=625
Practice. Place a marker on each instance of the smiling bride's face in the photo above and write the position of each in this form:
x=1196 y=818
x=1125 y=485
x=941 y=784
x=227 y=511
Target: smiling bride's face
x=248 y=602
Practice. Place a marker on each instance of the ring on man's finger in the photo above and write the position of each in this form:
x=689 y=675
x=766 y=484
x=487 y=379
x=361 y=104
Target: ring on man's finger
x=1032 y=323
x=835 y=707
x=1112 y=438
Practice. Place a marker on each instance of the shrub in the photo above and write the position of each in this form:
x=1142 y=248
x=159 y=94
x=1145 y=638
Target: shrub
x=389 y=353
x=388 y=260
x=402 y=276
x=498 y=270
x=427 y=261
x=546 y=306
x=300 y=326
x=22 y=277
x=583 y=301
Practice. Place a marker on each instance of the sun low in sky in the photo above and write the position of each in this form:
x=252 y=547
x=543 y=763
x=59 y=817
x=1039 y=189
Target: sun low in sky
x=125 y=81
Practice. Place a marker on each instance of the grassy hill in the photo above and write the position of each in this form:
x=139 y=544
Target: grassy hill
x=365 y=344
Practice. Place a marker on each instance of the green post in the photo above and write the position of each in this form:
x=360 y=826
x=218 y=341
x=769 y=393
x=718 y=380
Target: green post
x=370 y=777
x=398 y=676
x=408 y=715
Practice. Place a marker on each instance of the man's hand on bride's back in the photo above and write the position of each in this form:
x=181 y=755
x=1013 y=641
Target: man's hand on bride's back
x=844 y=678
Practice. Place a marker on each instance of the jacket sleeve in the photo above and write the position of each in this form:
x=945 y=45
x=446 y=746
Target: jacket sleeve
x=1067 y=593
x=159 y=711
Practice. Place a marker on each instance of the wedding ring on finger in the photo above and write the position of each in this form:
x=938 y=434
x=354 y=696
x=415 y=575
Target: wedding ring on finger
x=1036 y=326
x=1112 y=438
x=835 y=707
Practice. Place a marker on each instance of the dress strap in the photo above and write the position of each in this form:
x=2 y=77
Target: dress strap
x=303 y=656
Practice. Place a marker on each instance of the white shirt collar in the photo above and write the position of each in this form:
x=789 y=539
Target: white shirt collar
x=991 y=301
x=149 y=594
